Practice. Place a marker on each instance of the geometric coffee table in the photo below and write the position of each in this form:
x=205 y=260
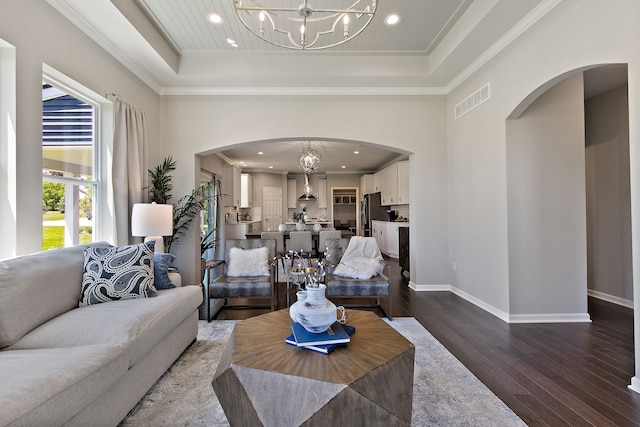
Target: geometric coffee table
x=261 y=380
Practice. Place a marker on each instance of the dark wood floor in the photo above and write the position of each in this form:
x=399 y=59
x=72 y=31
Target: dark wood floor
x=548 y=374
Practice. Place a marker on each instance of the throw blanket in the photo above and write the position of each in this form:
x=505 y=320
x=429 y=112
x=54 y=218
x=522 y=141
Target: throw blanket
x=361 y=260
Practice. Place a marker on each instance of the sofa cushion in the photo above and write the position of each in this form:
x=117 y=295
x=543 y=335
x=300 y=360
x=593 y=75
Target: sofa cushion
x=161 y=264
x=53 y=287
x=137 y=324
x=55 y=384
x=117 y=273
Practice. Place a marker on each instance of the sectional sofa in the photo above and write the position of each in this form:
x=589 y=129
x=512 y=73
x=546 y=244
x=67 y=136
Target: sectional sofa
x=66 y=364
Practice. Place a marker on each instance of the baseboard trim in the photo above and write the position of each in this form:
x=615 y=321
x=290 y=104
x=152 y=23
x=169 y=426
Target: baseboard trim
x=550 y=318
x=635 y=384
x=505 y=317
x=610 y=298
x=464 y=295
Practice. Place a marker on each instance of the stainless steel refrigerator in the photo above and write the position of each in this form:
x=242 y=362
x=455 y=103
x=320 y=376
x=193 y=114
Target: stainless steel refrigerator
x=370 y=210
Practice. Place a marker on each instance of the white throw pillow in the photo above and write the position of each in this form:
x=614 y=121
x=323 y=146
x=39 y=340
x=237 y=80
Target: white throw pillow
x=248 y=262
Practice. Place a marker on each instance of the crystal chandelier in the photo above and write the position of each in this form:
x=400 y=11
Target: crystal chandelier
x=302 y=27
x=309 y=159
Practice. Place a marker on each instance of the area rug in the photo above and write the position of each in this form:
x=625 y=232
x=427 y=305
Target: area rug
x=445 y=392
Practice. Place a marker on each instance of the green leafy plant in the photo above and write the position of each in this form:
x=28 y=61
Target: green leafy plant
x=207 y=241
x=160 y=181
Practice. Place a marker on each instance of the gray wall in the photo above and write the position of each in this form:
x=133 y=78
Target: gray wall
x=546 y=200
x=609 y=195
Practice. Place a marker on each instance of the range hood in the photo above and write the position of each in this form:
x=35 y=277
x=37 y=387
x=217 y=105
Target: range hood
x=307 y=195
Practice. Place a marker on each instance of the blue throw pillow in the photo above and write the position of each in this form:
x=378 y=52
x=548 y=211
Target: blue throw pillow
x=161 y=264
x=117 y=273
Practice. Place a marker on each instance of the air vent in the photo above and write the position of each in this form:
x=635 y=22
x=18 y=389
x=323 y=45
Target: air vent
x=468 y=104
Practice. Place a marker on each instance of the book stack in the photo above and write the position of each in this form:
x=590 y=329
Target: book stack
x=324 y=342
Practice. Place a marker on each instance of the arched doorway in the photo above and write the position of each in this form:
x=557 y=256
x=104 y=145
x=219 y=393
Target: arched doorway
x=564 y=153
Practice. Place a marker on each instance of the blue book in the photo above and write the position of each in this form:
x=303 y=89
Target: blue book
x=334 y=335
x=323 y=348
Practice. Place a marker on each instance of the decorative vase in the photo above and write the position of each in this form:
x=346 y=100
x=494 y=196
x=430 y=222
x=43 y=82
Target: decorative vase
x=317 y=227
x=293 y=310
x=300 y=226
x=316 y=313
x=282 y=228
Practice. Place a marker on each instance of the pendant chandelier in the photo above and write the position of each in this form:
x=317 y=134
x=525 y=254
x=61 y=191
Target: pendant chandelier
x=309 y=159
x=302 y=27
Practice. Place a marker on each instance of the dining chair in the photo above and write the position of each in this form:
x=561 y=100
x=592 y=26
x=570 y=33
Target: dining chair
x=323 y=236
x=301 y=242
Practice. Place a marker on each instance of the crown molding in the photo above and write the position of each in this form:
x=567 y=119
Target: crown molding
x=303 y=91
x=520 y=28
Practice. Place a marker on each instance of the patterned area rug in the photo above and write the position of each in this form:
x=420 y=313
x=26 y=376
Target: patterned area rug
x=445 y=392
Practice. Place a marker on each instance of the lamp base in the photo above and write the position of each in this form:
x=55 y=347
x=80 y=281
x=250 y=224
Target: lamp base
x=159 y=248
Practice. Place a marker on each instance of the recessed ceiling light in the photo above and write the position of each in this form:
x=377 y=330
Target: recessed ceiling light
x=392 y=19
x=270 y=167
x=215 y=18
x=356 y=152
x=343 y=167
x=260 y=153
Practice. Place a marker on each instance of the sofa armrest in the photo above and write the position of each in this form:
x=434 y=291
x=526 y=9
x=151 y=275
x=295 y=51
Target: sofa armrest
x=176 y=279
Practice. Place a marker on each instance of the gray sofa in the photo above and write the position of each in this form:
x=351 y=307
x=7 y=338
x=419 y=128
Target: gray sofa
x=61 y=364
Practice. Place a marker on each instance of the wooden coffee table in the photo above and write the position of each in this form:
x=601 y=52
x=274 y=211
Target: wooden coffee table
x=263 y=381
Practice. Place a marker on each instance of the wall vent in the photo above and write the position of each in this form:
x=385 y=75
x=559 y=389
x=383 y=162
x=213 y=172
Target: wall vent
x=471 y=102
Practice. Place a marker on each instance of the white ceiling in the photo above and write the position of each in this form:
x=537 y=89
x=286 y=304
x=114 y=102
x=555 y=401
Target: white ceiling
x=172 y=46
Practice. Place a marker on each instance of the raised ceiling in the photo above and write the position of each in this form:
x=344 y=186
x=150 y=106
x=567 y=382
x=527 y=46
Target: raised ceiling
x=172 y=46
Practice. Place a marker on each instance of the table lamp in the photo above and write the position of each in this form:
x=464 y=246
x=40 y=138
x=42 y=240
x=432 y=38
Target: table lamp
x=152 y=221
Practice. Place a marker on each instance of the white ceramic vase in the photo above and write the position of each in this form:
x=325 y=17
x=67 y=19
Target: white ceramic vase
x=315 y=313
x=300 y=226
x=293 y=310
x=282 y=228
x=317 y=227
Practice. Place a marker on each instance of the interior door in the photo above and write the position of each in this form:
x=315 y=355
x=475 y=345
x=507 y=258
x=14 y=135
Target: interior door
x=272 y=209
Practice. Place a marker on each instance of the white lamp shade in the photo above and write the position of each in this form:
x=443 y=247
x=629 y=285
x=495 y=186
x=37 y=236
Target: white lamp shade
x=151 y=219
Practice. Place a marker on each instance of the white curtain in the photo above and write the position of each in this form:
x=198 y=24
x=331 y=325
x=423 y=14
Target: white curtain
x=129 y=169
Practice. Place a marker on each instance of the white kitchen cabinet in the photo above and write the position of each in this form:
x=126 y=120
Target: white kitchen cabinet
x=386 y=235
x=389 y=185
x=391 y=240
x=403 y=182
x=377 y=181
x=292 y=196
x=231 y=185
x=366 y=184
x=246 y=191
x=322 y=193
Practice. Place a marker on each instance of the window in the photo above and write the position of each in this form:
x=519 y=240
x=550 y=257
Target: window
x=69 y=184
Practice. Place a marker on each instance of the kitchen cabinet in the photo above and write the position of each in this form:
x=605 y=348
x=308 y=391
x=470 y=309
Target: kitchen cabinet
x=386 y=235
x=322 y=193
x=246 y=191
x=403 y=182
x=389 y=185
x=393 y=184
x=231 y=185
x=377 y=181
x=366 y=185
x=292 y=196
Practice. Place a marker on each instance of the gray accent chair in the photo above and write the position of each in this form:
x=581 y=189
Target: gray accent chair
x=344 y=287
x=220 y=286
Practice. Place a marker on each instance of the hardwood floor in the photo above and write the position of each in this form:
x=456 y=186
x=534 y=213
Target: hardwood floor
x=573 y=374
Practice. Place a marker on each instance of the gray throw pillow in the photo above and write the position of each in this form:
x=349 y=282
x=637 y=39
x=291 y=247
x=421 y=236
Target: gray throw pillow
x=117 y=273
x=161 y=264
